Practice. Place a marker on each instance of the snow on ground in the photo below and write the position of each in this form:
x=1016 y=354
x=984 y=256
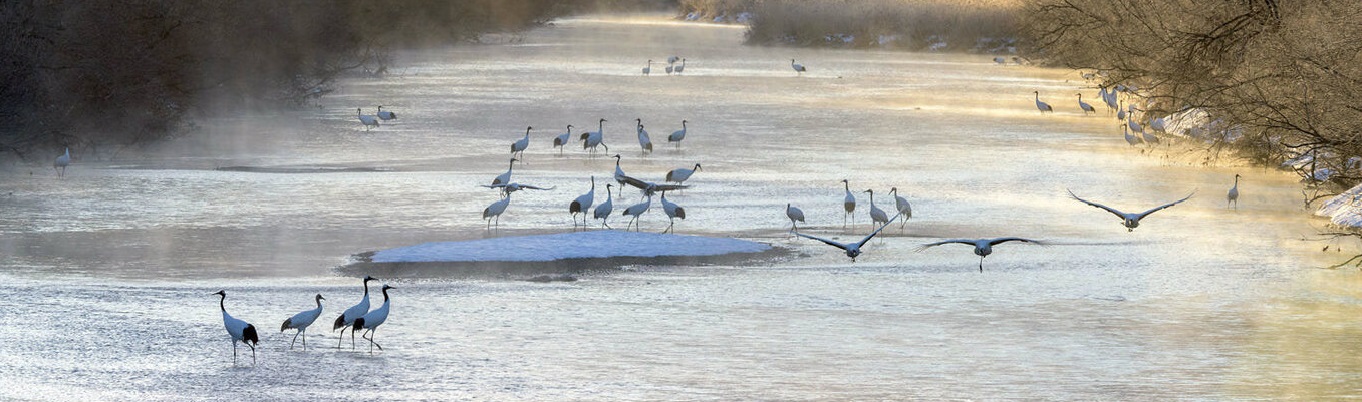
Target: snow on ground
x=554 y=247
x=1345 y=209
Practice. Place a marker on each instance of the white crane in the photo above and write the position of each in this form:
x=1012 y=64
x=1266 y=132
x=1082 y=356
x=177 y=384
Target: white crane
x=509 y=188
x=1130 y=121
x=680 y=175
x=1120 y=111
x=583 y=203
x=239 y=330
x=62 y=162
x=1233 y=196
x=649 y=68
x=1149 y=137
x=852 y=249
x=562 y=139
x=636 y=211
x=348 y=317
x=848 y=204
x=1158 y=125
x=795 y=214
x=877 y=215
x=303 y=320
x=1131 y=139
x=619 y=174
x=681 y=67
x=799 y=68
x=670 y=67
x=982 y=247
x=678 y=135
x=1044 y=107
x=1084 y=105
x=1109 y=97
x=603 y=211
x=372 y=320
x=369 y=121
x=673 y=211
x=902 y=206
x=494 y=211
x=382 y=115
x=592 y=139
x=644 y=143
x=1131 y=221
x=504 y=178
x=520 y=145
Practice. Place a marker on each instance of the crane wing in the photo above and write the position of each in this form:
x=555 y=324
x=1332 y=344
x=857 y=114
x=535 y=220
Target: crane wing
x=536 y=187
x=1113 y=211
x=669 y=187
x=1161 y=207
x=829 y=242
x=498 y=185
x=640 y=184
x=877 y=231
x=930 y=245
x=1002 y=240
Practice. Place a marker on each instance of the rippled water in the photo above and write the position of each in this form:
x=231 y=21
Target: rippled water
x=108 y=272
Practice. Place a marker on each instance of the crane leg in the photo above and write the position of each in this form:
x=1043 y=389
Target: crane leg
x=369 y=336
x=233 y=351
x=342 y=339
x=981 y=264
x=295 y=339
x=303 y=332
x=252 y=352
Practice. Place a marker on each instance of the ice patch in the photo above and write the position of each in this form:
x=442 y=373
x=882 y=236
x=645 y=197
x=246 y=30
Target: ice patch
x=554 y=247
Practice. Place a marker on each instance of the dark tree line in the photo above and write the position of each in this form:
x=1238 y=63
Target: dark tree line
x=1279 y=79
x=101 y=75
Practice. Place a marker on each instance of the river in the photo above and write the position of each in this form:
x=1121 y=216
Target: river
x=108 y=272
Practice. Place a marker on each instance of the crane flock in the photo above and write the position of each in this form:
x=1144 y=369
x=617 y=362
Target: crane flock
x=355 y=318
x=360 y=318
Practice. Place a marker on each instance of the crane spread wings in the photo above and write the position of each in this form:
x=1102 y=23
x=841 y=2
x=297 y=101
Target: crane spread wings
x=829 y=242
x=1113 y=211
x=651 y=187
x=642 y=185
x=930 y=245
x=1143 y=214
x=1002 y=240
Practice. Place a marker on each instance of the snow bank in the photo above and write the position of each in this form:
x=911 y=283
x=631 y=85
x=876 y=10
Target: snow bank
x=1345 y=209
x=554 y=247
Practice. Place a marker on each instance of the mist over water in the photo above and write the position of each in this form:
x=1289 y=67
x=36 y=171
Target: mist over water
x=109 y=271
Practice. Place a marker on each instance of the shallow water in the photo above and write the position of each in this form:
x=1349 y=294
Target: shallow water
x=108 y=271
